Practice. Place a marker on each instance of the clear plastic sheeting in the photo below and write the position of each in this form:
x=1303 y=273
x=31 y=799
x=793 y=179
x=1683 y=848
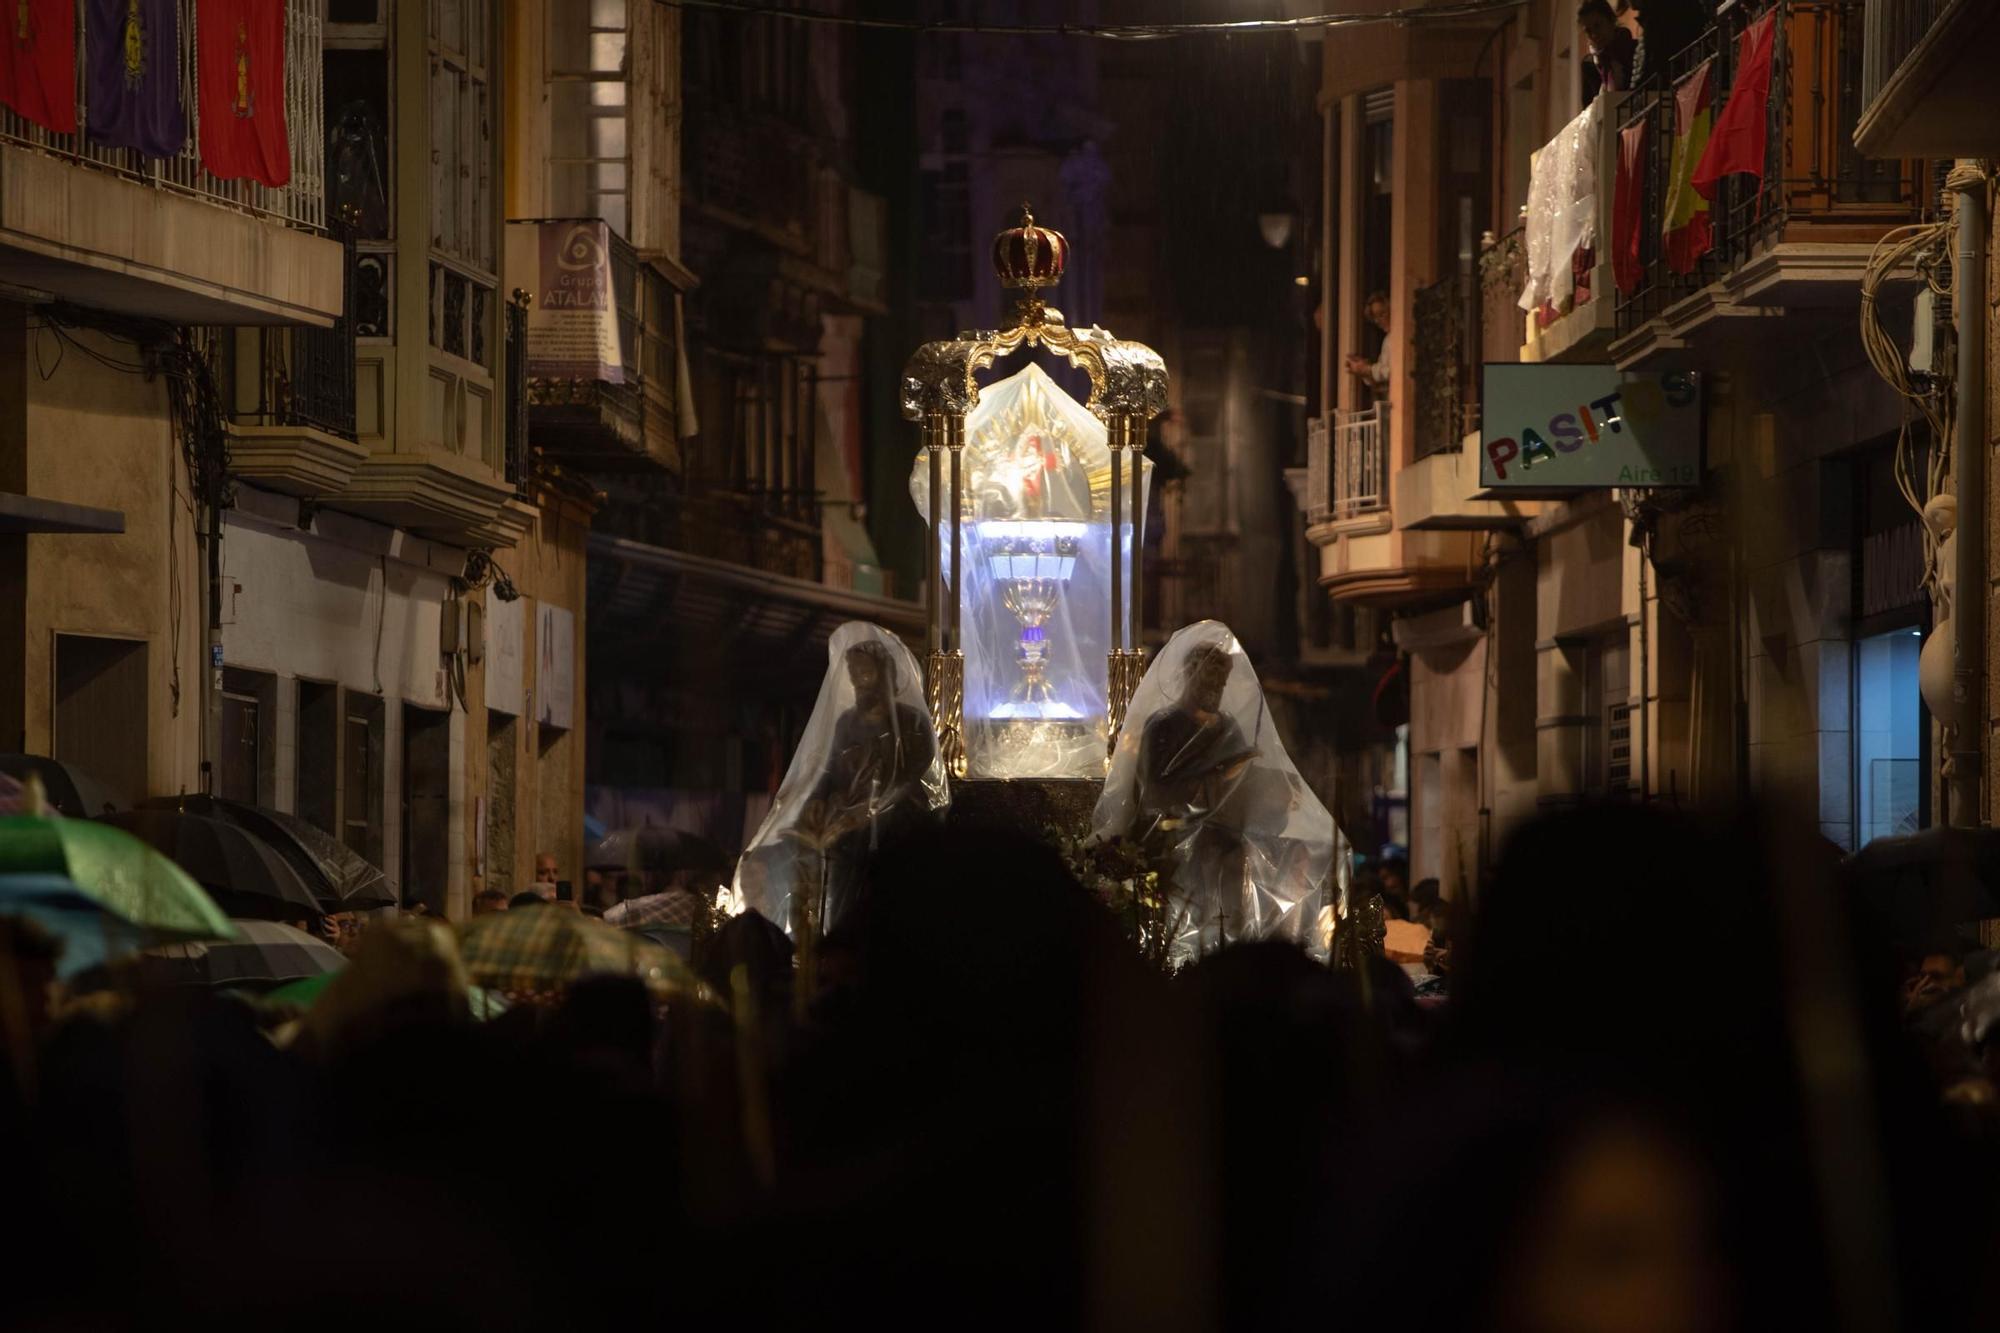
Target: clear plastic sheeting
x=866 y=768
x=1201 y=779
x=1562 y=208
x=1035 y=609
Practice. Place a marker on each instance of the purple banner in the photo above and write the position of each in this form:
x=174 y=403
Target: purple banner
x=134 y=78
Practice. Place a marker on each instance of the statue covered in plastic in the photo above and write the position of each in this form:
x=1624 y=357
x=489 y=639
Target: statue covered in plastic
x=867 y=768
x=1202 y=781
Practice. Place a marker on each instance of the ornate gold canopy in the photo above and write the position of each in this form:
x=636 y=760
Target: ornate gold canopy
x=1128 y=387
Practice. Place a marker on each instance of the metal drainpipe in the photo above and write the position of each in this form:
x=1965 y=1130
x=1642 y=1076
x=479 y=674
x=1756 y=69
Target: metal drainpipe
x=1968 y=469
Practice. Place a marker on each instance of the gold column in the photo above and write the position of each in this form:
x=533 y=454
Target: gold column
x=1123 y=665
x=944 y=433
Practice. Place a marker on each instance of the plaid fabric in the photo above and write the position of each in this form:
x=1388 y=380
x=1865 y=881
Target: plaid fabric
x=674 y=909
x=535 y=950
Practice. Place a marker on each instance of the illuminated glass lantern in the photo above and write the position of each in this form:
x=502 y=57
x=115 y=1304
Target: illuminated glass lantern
x=1037 y=503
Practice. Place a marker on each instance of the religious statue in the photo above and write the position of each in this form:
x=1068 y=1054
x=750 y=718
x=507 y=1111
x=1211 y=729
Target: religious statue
x=866 y=768
x=1200 y=780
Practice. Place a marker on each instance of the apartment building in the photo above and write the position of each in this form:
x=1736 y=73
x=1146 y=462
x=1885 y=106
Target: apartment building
x=1752 y=631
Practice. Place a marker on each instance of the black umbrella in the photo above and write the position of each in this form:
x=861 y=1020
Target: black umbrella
x=69 y=789
x=1922 y=886
x=339 y=877
x=244 y=874
x=659 y=851
x=264 y=954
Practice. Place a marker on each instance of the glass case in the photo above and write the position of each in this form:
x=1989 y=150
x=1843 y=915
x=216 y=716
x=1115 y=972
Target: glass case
x=1036 y=606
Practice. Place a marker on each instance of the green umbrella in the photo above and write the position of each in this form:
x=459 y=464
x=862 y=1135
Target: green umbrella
x=116 y=869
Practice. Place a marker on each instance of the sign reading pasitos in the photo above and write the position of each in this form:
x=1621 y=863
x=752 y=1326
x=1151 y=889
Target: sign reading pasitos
x=1564 y=428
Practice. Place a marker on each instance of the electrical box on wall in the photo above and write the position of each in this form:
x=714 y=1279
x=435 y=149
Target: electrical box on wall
x=1923 y=333
x=462 y=629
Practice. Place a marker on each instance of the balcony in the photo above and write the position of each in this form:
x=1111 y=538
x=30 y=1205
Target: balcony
x=752 y=173
x=1792 y=244
x=620 y=418
x=1569 y=314
x=1927 y=79
x=1347 y=466
x=734 y=527
x=293 y=427
x=159 y=237
x=1367 y=554
x=1439 y=490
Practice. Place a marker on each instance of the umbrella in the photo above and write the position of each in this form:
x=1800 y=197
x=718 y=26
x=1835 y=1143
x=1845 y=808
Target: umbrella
x=244 y=872
x=114 y=868
x=539 y=951
x=484 y=1003
x=660 y=851
x=70 y=790
x=91 y=933
x=1921 y=886
x=264 y=953
x=341 y=879
x=674 y=910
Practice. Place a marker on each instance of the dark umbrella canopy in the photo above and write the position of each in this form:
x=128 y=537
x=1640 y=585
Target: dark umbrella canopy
x=340 y=878
x=657 y=851
x=1921 y=887
x=265 y=953
x=242 y=872
x=69 y=789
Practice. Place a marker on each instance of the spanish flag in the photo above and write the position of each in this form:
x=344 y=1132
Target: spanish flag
x=1686 y=227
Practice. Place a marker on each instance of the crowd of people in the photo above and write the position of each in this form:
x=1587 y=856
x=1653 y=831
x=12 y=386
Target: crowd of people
x=1675 y=1086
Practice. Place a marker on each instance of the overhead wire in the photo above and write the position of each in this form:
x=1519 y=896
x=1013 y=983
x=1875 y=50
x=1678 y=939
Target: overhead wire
x=1128 y=32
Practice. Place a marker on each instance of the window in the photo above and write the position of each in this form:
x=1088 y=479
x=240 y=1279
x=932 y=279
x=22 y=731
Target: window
x=100 y=714
x=361 y=769
x=947 y=205
x=1888 y=736
x=426 y=808
x=1608 y=754
x=360 y=165
x=317 y=796
x=462 y=282
x=589 y=160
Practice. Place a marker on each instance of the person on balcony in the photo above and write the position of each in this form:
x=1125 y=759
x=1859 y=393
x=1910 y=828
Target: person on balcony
x=1612 y=49
x=1665 y=27
x=1374 y=374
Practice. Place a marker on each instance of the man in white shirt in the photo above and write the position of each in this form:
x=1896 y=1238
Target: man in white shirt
x=1375 y=374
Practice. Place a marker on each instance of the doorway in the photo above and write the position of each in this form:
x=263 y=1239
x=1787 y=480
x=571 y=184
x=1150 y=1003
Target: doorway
x=426 y=808
x=100 y=712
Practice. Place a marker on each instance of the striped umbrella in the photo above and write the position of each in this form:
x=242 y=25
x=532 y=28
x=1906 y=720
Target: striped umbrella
x=264 y=953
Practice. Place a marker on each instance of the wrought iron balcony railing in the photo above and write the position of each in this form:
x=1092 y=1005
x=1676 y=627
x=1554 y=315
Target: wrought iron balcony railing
x=1347 y=472
x=1812 y=171
x=601 y=422
x=1892 y=30
x=517 y=392
x=306 y=375
x=301 y=202
x=1447 y=369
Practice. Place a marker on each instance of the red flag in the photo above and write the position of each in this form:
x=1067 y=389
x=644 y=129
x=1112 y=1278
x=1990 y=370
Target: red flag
x=1627 y=208
x=1737 y=141
x=240 y=72
x=38 y=63
x=1686 y=230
